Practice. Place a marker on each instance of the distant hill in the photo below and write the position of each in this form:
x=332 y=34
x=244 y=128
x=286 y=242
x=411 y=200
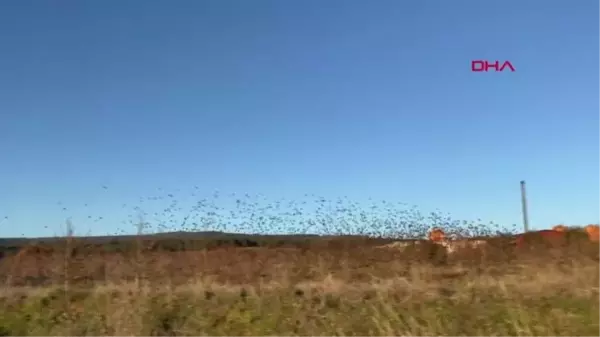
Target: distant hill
x=178 y=235
x=183 y=241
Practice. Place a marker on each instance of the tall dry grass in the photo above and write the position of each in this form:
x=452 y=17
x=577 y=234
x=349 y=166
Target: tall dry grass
x=529 y=298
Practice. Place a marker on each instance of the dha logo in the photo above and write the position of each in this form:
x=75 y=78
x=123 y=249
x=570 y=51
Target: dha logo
x=483 y=65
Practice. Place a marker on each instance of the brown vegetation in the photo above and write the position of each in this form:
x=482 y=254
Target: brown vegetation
x=326 y=286
x=395 y=279
x=42 y=265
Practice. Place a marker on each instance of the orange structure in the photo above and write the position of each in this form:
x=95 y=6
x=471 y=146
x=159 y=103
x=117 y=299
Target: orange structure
x=593 y=232
x=452 y=246
x=548 y=235
x=437 y=235
x=560 y=228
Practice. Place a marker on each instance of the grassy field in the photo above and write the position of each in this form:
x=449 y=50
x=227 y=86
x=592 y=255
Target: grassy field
x=198 y=282
x=339 y=286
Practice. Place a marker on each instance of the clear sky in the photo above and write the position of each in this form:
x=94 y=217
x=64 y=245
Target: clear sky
x=106 y=102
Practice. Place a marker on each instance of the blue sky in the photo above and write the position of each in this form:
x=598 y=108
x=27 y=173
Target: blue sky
x=106 y=102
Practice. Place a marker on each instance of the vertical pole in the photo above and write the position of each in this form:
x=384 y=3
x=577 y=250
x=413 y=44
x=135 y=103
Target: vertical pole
x=524 y=207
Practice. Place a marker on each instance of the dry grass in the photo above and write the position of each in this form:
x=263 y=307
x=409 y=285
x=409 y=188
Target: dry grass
x=293 y=291
x=332 y=286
